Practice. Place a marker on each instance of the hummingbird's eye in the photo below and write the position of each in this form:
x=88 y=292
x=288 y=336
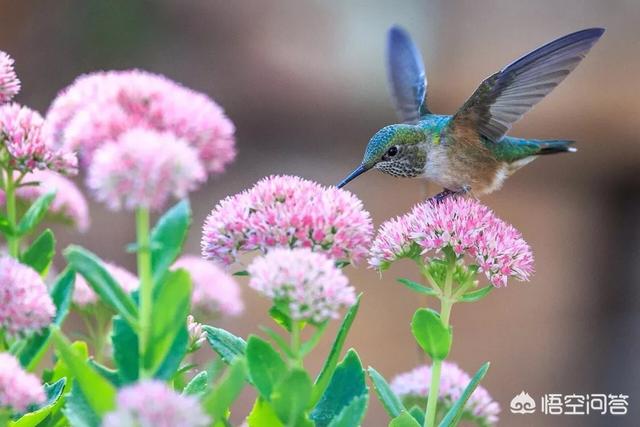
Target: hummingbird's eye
x=392 y=151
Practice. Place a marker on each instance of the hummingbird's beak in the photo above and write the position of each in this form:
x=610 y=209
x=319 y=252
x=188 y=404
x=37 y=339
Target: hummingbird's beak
x=353 y=175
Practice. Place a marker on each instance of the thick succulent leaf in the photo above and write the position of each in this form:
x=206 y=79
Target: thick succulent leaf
x=334 y=355
x=266 y=367
x=228 y=346
x=452 y=417
x=391 y=403
x=35 y=213
x=431 y=334
x=39 y=254
x=347 y=383
x=99 y=392
x=97 y=276
x=168 y=237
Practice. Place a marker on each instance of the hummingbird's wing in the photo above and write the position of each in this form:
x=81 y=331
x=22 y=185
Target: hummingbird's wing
x=504 y=97
x=406 y=75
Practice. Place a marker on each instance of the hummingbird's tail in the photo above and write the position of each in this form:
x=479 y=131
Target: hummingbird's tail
x=553 y=146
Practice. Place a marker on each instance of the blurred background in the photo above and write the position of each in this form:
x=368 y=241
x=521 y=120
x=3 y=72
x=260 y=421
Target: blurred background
x=304 y=82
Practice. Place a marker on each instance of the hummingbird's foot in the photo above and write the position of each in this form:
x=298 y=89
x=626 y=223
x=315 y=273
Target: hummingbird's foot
x=443 y=195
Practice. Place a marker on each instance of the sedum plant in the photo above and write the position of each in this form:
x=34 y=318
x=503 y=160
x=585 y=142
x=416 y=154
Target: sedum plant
x=304 y=234
x=454 y=243
x=143 y=140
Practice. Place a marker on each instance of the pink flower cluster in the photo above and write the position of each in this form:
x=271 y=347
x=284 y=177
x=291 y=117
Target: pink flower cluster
x=69 y=205
x=308 y=282
x=214 y=290
x=83 y=294
x=151 y=403
x=143 y=168
x=21 y=135
x=9 y=82
x=287 y=211
x=18 y=389
x=453 y=381
x=26 y=305
x=101 y=106
x=467 y=227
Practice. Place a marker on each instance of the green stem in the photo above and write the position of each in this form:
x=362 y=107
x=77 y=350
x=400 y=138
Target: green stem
x=146 y=285
x=295 y=344
x=13 y=242
x=446 y=303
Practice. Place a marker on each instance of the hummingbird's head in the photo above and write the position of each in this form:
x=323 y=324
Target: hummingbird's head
x=394 y=149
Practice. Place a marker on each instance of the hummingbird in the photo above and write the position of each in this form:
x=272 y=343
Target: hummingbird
x=469 y=151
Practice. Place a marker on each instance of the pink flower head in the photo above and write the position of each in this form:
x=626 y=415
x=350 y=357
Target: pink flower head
x=287 y=211
x=69 y=204
x=151 y=403
x=83 y=294
x=21 y=135
x=9 y=82
x=18 y=389
x=214 y=290
x=144 y=168
x=462 y=224
x=99 y=107
x=414 y=385
x=308 y=282
x=26 y=305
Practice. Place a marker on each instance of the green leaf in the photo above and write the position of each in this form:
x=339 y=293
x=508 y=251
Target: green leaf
x=263 y=415
x=176 y=353
x=291 y=396
x=107 y=373
x=40 y=254
x=347 y=383
x=404 y=420
x=352 y=414
x=35 y=213
x=36 y=345
x=419 y=288
x=228 y=346
x=125 y=350
x=61 y=370
x=97 y=276
x=431 y=334
x=390 y=401
x=100 y=393
x=417 y=413
x=281 y=317
x=198 y=384
x=220 y=398
x=35 y=417
x=168 y=237
x=170 y=310
x=476 y=295
x=452 y=417
x=334 y=355
x=78 y=409
x=280 y=342
x=266 y=367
